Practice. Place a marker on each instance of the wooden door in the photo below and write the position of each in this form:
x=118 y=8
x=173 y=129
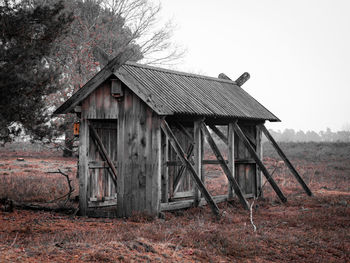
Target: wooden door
x=101 y=186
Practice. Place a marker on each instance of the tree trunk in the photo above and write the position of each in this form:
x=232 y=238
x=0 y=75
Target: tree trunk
x=68 y=140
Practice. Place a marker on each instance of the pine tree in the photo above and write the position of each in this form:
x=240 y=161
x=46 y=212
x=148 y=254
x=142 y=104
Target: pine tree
x=26 y=76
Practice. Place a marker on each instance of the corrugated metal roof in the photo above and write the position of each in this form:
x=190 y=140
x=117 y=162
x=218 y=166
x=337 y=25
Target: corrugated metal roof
x=178 y=93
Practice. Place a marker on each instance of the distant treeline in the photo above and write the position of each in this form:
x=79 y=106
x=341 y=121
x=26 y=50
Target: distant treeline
x=290 y=135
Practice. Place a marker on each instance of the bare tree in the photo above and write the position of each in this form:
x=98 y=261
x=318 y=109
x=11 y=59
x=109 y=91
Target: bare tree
x=101 y=30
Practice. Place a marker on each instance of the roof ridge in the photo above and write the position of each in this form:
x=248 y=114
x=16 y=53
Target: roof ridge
x=176 y=72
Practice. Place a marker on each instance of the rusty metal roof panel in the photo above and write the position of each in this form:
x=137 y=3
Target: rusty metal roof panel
x=176 y=93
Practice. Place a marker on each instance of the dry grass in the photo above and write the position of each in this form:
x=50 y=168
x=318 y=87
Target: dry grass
x=305 y=229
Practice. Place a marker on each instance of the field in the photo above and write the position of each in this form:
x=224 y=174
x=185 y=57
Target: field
x=305 y=229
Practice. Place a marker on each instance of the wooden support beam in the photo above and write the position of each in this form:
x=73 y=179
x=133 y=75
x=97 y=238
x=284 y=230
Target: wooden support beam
x=179 y=151
x=259 y=162
x=286 y=160
x=99 y=164
x=219 y=133
x=251 y=140
x=103 y=151
x=225 y=139
x=237 y=161
x=165 y=169
x=182 y=169
x=242 y=79
x=197 y=136
x=224 y=166
x=187 y=194
x=231 y=155
x=83 y=167
x=181 y=204
x=259 y=152
x=224 y=76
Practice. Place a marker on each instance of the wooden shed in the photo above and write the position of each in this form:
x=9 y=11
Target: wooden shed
x=141 y=140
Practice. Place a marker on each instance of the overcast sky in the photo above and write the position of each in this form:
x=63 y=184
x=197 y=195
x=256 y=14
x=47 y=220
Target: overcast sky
x=297 y=53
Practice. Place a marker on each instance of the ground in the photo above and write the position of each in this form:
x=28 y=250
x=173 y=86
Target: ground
x=305 y=229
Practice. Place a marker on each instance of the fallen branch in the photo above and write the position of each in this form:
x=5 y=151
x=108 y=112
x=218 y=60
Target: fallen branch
x=71 y=189
x=34 y=207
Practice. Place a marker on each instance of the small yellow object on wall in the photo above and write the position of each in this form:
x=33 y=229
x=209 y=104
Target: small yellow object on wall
x=76 y=128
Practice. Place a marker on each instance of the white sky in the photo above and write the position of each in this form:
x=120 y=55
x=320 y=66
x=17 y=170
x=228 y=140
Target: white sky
x=296 y=51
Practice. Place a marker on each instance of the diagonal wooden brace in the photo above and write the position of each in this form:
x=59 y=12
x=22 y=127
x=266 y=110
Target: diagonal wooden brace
x=224 y=166
x=224 y=138
x=259 y=162
x=286 y=161
x=182 y=169
x=180 y=152
x=219 y=133
x=103 y=152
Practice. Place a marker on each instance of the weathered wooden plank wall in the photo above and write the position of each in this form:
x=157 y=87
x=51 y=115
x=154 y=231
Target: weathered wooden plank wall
x=100 y=104
x=130 y=131
x=139 y=153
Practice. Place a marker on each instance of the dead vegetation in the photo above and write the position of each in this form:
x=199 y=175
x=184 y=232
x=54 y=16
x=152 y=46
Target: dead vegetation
x=305 y=229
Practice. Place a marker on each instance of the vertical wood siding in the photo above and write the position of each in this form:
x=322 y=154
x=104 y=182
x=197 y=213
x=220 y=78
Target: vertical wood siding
x=139 y=156
x=130 y=131
x=100 y=104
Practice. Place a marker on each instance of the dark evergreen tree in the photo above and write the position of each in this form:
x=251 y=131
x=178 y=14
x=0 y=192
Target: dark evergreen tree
x=26 y=74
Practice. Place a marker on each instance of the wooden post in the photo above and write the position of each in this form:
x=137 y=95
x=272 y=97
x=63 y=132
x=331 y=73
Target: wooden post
x=259 y=151
x=156 y=180
x=197 y=155
x=165 y=157
x=231 y=156
x=259 y=162
x=224 y=166
x=286 y=161
x=83 y=167
x=242 y=79
x=180 y=152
